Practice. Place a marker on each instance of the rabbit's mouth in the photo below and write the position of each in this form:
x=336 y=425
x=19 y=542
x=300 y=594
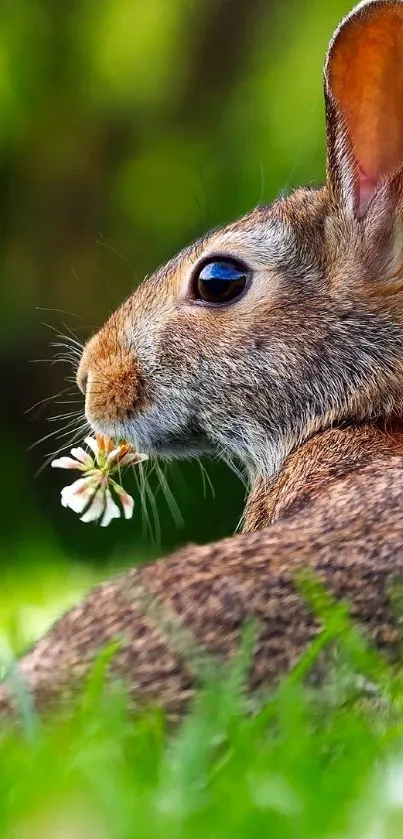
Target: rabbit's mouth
x=165 y=440
x=157 y=435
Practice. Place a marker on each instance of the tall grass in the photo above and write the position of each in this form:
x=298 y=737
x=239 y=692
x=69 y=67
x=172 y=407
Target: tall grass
x=309 y=759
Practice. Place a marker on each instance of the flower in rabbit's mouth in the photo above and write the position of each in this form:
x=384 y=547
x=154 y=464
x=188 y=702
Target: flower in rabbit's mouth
x=95 y=493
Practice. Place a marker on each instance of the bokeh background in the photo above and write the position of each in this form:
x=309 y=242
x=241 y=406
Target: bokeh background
x=127 y=128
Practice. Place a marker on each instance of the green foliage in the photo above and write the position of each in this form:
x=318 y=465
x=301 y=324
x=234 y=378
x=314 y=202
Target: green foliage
x=305 y=762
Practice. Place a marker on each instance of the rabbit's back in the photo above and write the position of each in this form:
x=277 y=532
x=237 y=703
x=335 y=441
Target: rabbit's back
x=167 y=615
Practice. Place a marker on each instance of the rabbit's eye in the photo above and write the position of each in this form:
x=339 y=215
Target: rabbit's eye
x=220 y=281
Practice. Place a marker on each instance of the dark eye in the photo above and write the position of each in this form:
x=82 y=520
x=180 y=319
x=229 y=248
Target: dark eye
x=220 y=281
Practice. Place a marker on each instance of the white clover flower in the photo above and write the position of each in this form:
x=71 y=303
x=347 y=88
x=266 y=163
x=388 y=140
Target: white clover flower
x=95 y=492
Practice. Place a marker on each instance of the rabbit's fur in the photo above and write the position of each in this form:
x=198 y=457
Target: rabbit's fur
x=300 y=379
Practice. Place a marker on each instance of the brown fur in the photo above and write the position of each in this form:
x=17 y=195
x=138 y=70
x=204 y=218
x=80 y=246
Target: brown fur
x=349 y=532
x=300 y=379
x=117 y=383
x=310 y=469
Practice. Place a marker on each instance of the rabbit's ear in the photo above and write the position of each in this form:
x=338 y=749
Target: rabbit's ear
x=364 y=105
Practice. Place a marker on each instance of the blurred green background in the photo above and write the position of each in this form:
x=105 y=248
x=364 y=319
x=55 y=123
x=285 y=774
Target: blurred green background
x=127 y=128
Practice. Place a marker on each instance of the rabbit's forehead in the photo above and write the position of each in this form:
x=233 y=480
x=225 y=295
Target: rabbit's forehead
x=268 y=243
x=284 y=236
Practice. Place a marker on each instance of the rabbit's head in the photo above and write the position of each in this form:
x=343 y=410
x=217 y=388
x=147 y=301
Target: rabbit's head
x=290 y=319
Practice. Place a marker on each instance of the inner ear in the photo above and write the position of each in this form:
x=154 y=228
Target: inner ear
x=364 y=81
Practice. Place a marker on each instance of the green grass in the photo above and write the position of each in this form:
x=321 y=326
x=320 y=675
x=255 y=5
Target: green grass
x=299 y=763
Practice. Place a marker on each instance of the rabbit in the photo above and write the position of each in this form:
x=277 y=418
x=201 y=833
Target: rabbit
x=278 y=341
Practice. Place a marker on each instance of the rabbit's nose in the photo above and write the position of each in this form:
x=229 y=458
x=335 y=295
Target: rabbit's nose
x=110 y=376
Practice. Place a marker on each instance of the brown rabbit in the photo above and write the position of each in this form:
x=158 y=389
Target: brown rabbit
x=277 y=340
